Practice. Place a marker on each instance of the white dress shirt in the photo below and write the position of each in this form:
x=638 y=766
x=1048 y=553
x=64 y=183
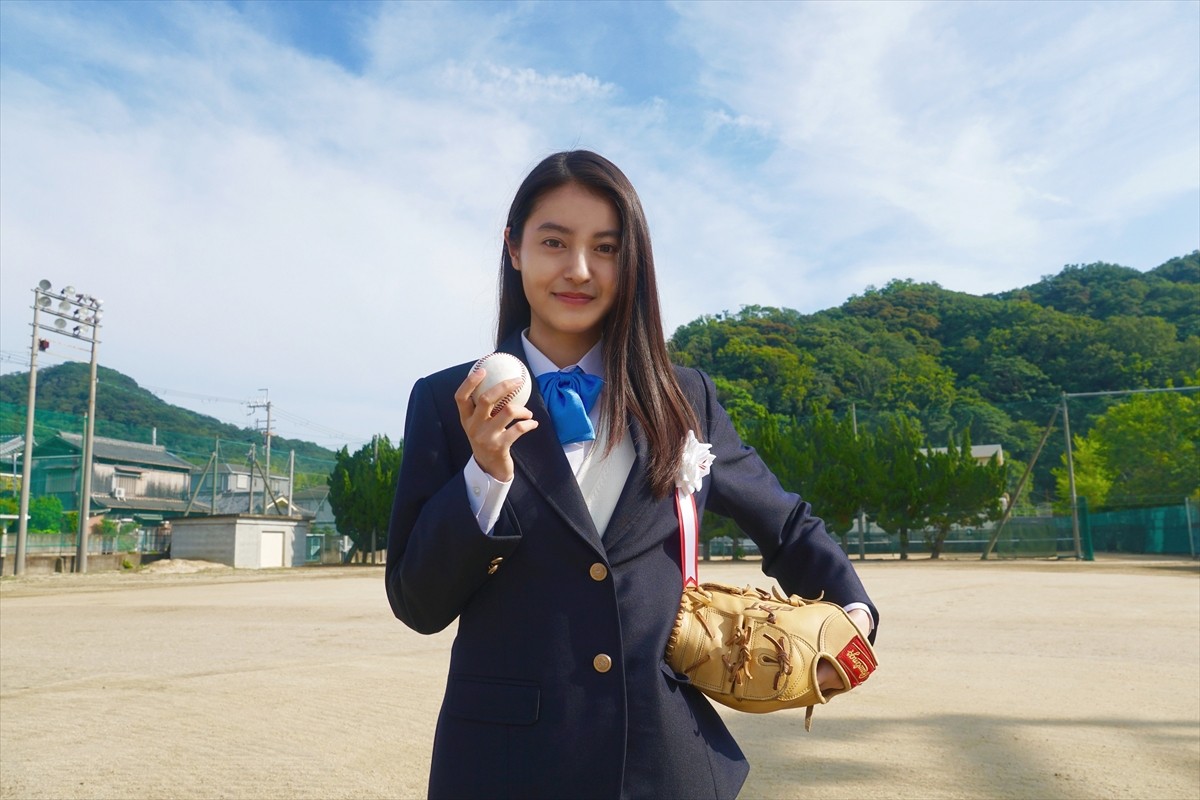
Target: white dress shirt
x=485 y=493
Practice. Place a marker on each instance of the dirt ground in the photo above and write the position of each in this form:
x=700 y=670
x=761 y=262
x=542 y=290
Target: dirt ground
x=997 y=680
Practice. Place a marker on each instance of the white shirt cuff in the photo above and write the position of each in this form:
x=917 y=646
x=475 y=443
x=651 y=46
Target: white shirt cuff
x=866 y=608
x=485 y=494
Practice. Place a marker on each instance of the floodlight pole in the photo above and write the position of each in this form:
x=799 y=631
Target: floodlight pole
x=85 y=315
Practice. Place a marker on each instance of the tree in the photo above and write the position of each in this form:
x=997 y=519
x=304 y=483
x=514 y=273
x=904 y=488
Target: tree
x=777 y=377
x=775 y=439
x=922 y=388
x=896 y=486
x=9 y=505
x=1142 y=452
x=361 y=488
x=961 y=491
x=741 y=407
x=832 y=476
x=1009 y=378
x=106 y=526
x=45 y=514
x=1091 y=476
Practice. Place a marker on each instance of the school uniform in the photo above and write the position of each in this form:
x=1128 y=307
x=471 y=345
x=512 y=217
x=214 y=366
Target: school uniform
x=557 y=684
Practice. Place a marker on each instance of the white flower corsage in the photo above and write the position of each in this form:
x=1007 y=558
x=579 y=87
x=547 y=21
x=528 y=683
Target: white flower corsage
x=694 y=464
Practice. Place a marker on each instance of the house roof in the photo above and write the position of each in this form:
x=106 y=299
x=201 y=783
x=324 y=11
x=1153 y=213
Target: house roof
x=162 y=505
x=239 y=504
x=138 y=503
x=12 y=444
x=987 y=451
x=979 y=452
x=123 y=452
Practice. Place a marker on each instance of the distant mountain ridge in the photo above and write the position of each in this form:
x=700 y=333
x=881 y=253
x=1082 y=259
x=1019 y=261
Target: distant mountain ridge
x=125 y=410
x=1102 y=291
x=994 y=364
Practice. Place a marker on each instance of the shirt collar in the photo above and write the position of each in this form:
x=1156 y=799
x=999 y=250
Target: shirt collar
x=592 y=362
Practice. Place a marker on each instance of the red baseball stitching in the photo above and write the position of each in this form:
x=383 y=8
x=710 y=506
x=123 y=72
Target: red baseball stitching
x=504 y=401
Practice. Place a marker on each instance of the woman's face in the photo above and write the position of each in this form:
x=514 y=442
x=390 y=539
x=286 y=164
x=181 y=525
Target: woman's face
x=568 y=259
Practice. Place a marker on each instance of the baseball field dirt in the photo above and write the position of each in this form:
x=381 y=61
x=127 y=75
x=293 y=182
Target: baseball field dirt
x=1027 y=679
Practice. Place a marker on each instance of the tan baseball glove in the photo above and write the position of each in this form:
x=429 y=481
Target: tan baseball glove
x=758 y=651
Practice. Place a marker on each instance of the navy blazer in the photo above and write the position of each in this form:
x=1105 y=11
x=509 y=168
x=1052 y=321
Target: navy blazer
x=557 y=683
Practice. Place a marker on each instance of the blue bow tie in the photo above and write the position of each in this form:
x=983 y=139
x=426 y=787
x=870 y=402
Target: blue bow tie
x=569 y=396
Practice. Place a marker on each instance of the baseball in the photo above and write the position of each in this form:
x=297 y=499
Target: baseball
x=502 y=367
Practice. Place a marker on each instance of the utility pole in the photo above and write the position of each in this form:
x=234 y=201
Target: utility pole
x=291 y=478
x=374 y=461
x=253 y=455
x=89 y=442
x=212 y=509
x=255 y=404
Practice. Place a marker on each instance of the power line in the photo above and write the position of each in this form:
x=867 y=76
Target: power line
x=332 y=432
x=327 y=431
x=194 y=395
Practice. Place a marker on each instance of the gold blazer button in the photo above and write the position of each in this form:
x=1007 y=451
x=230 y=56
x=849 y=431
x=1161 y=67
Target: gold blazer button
x=602 y=663
x=598 y=571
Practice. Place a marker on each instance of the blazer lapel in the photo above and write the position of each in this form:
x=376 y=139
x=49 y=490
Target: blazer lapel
x=540 y=458
x=636 y=498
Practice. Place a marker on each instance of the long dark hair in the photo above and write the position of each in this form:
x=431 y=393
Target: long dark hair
x=638 y=374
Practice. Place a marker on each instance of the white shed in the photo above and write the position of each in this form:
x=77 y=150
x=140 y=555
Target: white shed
x=243 y=541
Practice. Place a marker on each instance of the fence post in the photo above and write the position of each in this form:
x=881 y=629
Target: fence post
x=1187 y=514
x=1085 y=532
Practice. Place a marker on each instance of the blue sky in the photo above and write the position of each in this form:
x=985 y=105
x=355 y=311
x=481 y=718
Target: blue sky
x=309 y=196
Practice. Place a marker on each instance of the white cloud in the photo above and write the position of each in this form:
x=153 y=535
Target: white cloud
x=255 y=216
x=505 y=84
x=249 y=238
x=990 y=145
x=716 y=120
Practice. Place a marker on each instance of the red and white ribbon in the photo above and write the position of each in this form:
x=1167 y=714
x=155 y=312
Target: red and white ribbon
x=694 y=464
x=689 y=537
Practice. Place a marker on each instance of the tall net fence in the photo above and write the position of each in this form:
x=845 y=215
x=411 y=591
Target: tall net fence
x=1137 y=482
x=1134 y=467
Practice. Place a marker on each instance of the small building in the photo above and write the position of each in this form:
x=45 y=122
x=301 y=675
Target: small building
x=12 y=454
x=242 y=541
x=314 y=502
x=982 y=453
x=325 y=544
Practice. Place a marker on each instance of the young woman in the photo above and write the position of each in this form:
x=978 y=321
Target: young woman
x=558 y=554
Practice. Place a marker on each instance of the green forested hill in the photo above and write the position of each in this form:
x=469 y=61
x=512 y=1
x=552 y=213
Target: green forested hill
x=1105 y=291
x=125 y=410
x=996 y=365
